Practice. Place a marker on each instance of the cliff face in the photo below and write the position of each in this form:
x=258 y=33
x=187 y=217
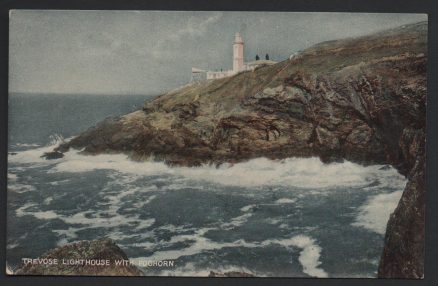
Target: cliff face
x=103 y=249
x=361 y=99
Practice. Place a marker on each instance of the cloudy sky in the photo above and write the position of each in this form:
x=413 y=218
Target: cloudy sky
x=149 y=52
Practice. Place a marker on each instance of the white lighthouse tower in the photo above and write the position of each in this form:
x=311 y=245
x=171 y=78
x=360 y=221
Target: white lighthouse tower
x=238 y=53
x=238 y=64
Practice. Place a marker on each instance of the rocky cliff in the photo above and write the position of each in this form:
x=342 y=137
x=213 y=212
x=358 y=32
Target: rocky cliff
x=361 y=99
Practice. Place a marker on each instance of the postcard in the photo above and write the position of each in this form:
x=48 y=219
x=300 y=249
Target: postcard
x=216 y=144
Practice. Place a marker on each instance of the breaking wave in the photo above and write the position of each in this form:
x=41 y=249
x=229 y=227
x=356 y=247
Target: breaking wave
x=294 y=172
x=309 y=251
x=374 y=214
x=139 y=185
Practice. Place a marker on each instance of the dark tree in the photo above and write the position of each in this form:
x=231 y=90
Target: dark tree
x=257 y=57
x=267 y=57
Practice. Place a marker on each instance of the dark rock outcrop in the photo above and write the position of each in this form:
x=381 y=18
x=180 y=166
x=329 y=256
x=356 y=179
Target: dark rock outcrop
x=53 y=155
x=103 y=249
x=403 y=255
x=360 y=99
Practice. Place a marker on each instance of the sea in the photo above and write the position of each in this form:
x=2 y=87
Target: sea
x=295 y=217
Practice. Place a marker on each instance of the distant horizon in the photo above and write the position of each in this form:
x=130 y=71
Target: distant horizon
x=128 y=53
x=82 y=94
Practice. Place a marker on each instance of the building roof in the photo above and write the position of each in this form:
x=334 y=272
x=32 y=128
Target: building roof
x=196 y=70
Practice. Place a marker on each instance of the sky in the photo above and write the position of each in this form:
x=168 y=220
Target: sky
x=151 y=52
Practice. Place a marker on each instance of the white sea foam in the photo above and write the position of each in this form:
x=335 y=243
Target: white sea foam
x=12 y=245
x=237 y=221
x=56 y=183
x=9 y=270
x=298 y=172
x=146 y=245
x=20 y=188
x=191 y=270
x=88 y=219
x=26 y=145
x=92 y=220
x=12 y=177
x=143 y=203
x=29 y=157
x=119 y=236
x=75 y=163
x=33 y=156
x=21 y=211
x=45 y=215
x=69 y=233
x=308 y=258
x=145 y=223
x=107 y=216
x=247 y=208
x=56 y=139
x=285 y=201
x=374 y=214
x=292 y=172
x=174 y=228
x=274 y=220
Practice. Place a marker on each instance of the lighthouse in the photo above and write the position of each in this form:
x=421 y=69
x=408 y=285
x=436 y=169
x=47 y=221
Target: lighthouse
x=238 y=53
x=238 y=64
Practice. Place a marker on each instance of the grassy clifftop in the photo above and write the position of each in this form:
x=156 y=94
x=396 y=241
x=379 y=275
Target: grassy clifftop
x=326 y=57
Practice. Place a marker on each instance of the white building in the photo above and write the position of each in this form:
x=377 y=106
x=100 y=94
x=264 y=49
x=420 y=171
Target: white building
x=238 y=64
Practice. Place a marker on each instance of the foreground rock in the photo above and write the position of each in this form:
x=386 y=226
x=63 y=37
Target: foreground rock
x=360 y=99
x=95 y=250
x=403 y=255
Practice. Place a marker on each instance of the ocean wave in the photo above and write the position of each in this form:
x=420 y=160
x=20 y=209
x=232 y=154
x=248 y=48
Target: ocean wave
x=56 y=139
x=21 y=211
x=274 y=221
x=285 y=201
x=248 y=208
x=237 y=221
x=26 y=145
x=294 y=172
x=192 y=270
x=56 y=183
x=9 y=269
x=309 y=255
x=12 y=245
x=12 y=177
x=375 y=213
x=33 y=155
x=88 y=219
x=20 y=188
x=141 y=204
